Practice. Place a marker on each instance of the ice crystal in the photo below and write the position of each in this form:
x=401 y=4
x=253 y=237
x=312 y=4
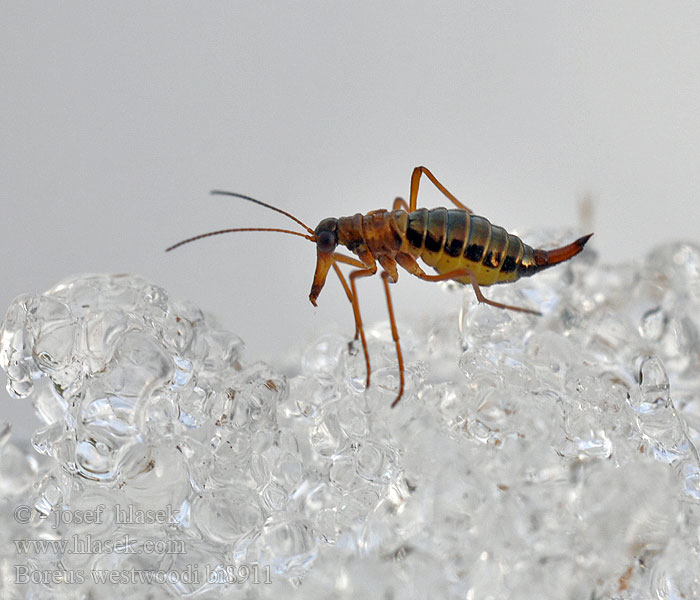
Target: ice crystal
x=550 y=457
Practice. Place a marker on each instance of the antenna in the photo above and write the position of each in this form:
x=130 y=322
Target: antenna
x=249 y=199
x=211 y=233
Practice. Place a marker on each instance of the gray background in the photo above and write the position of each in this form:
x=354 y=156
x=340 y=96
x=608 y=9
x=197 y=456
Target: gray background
x=118 y=118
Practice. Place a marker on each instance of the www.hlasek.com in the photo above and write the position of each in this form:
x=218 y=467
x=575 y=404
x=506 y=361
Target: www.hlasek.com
x=190 y=575
x=87 y=544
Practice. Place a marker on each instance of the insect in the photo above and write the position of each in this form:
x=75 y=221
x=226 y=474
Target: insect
x=457 y=244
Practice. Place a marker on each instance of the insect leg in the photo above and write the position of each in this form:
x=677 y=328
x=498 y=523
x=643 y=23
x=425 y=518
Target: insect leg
x=395 y=335
x=348 y=293
x=409 y=263
x=356 y=310
x=390 y=275
x=400 y=203
x=355 y=263
x=415 y=181
x=481 y=298
x=348 y=260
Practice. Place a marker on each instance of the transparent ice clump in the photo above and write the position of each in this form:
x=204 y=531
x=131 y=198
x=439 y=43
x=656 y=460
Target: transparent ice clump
x=530 y=457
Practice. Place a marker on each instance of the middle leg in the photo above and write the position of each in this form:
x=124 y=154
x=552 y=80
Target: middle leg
x=387 y=278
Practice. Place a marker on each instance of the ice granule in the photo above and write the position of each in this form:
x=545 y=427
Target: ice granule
x=550 y=457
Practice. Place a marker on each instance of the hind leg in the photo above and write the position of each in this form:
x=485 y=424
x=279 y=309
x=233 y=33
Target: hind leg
x=409 y=263
x=415 y=182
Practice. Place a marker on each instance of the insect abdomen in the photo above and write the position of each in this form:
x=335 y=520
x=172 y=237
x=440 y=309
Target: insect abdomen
x=454 y=239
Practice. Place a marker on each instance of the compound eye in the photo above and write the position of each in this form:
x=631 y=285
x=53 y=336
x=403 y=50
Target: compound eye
x=326 y=241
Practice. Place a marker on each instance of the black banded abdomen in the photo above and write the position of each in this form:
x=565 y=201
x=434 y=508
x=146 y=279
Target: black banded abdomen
x=435 y=232
x=415 y=231
x=478 y=238
x=453 y=239
x=459 y=224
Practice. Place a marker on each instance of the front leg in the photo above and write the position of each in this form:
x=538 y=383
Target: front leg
x=358 y=318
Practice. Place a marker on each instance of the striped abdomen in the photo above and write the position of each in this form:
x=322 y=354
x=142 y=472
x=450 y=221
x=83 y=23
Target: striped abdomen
x=454 y=239
x=448 y=240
